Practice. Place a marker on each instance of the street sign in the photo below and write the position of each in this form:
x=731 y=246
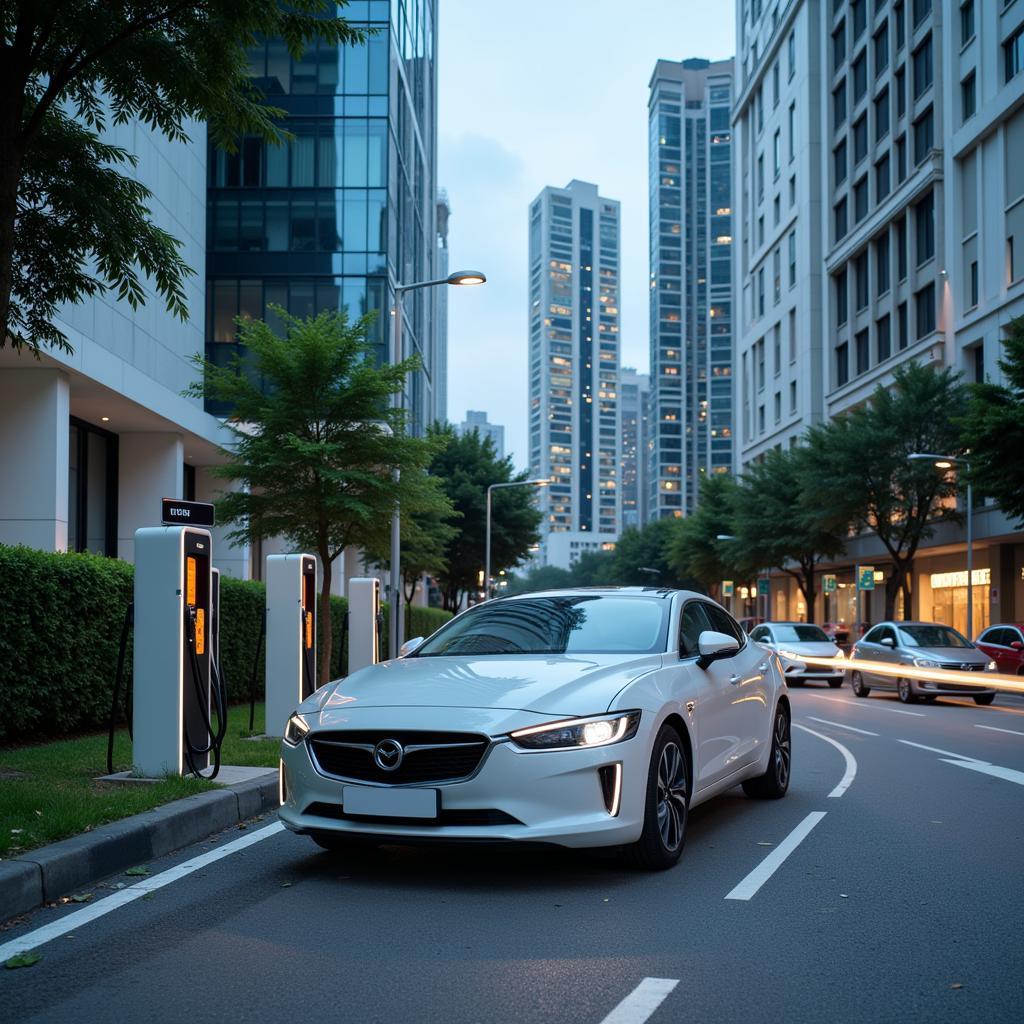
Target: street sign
x=763 y=586
x=865 y=577
x=828 y=583
x=727 y=588
x=174 y=512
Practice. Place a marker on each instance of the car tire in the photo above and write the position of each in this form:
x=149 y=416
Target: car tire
x=336 y=843
x=835 y=683
x=858 y=686
x=794 y=682
x=984 y=698
x=905 y=691
x=666 y=805
x=775 y=781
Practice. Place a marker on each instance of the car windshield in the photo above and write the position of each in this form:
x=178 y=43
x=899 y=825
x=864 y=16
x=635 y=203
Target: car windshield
x=800 y=634
x=569 y=624
x=931 y=636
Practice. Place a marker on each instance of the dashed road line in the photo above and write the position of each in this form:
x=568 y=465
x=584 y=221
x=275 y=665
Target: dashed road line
x=995 y=728
x=851 y=762
x=638 y=1006
x=749 y=886
x=843 y=725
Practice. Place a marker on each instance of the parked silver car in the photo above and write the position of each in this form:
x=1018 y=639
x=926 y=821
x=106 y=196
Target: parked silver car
x=918 y=645
x=807 y=639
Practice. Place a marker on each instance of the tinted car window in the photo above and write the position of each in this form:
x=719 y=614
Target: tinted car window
x=694 y=622
x=761 y=635
x=873 y=635
x=801 y=633
x=886 y=633
x=1002 y=637
x=932 y=636
x=573 y=623
x=722 y=622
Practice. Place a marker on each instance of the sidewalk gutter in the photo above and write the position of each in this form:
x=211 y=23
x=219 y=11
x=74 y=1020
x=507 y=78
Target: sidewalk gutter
x=60 y=869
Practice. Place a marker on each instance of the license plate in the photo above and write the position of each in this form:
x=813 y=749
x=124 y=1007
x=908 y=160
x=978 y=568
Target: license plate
x=391 y=803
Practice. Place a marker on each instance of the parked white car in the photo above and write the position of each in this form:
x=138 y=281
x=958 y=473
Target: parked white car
x=582 y=718
x=803 y=638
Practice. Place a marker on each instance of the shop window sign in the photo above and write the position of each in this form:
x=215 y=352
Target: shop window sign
x=945 y=580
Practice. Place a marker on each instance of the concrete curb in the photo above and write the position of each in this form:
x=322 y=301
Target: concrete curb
x=29 y=881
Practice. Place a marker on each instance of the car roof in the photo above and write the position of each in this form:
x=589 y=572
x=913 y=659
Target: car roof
x=1004 y=625
x=787 y=622
x=662 y=592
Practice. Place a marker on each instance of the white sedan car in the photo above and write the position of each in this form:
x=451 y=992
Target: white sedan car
x=582 y=718
x=802 y=638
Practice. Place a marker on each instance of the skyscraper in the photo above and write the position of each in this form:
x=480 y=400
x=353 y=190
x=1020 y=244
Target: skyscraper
x=478 y=421
x=634 y=394
x=345 y=209
x=574 y=366
x=691 y=312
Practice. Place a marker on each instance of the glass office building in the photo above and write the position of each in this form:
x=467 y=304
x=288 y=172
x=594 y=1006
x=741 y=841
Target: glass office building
x=347 y=207
x=690 y=193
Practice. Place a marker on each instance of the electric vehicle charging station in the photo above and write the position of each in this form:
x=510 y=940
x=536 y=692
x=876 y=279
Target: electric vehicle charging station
x=172 y=650
x=291 y=636
x=363 y=622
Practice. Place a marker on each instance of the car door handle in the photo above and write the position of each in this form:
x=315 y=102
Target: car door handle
x=734 y=679
x=763 y=667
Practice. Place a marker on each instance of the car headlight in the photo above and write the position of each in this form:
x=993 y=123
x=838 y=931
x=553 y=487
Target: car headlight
x=295 y=731
x=926 y=663
x=992 y=667
x=840 y=654
x=598 y=731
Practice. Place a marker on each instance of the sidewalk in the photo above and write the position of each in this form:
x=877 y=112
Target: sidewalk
x=60 y=869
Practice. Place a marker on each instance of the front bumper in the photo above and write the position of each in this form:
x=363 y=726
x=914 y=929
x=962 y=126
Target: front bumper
x=933 y=689
x=515 y=796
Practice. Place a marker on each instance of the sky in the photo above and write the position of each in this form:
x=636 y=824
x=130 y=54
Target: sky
x=532 y=94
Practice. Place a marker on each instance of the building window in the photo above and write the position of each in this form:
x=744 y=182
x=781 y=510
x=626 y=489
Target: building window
x=792 y=396
x=922 y=8
x=901 y=159
x=777 y=153
x=778 y=406
x=777 y=349
x=973 y=283
x=902 y=334
x=881 y=50
x=882 y=283
x=924 y=310
x=760 y=364
x=760 y=419
x=760 y=178
x=860 y=76
x=900 y=18
x=882 y=183
x=966 y=22
x=924 y=138
x=839 y=46
x=792 y=335
x=760 y=292
x=842 y=301
x=924 y=228
x=791 y=53
x=840 y=219
x=839 y=162
x=861 y=281
x=792 y=191
x=923 y=67
x=839 y=105
x=882 y=115
x=883 y=335
x=1010 y=262
x=1013 y=55
x=775 y=84
x=792 y=132
x=901 y=249
x=860 y=17
x=901 y=93
x=792 y=259
x=842 y=364
x=863 y=356
x=777 y=276
x=968 y=96
x=978 y=358
x=860 y=199
x=776 y=211
x=92 y=489
x=860 y=139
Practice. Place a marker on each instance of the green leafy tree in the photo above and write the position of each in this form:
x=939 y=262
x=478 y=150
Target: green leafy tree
x=641 y=549
x=993 y=428
x=858 y=467
x=466 y=465
x=317 y=448
x=779 y=521
x=73 y=222
x=544 y=577
x=696 y=551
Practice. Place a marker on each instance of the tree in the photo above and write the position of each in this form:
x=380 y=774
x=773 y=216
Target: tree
x=316 y=451
x=544 y=577
x=859 y=469
x=779 y=521
x=467 y=464
x=993 y=428
x=696 y=550
x=639 y=550
x=72 y=222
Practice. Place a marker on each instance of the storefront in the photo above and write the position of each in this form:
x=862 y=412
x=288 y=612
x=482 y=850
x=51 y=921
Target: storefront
x=944 y=598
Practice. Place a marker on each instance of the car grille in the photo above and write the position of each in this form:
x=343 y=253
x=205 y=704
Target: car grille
x=464 y=817
x=968 y=666
x=440 y=757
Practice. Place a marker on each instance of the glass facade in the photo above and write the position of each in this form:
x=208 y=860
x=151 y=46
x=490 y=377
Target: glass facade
x=690 y=167
x=346 y=208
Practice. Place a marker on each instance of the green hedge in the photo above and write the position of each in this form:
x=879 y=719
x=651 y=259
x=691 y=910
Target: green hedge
x=60 y=625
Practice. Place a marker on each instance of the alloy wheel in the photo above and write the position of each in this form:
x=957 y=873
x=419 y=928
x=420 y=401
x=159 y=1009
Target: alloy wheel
x=782 y=752
x=671 y=796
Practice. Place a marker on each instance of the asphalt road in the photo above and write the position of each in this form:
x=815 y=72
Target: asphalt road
x=903 y=901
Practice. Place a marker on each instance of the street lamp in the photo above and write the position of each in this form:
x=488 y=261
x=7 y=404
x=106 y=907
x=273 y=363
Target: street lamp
x=947 y=462
x=487 y=547
x=459 y=277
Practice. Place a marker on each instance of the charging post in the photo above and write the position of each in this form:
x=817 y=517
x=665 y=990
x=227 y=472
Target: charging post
x=363 y=622
x=291 y=636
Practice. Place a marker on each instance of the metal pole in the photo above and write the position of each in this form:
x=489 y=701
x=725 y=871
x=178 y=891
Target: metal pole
x=395 y=632
x=487 y=549
x=970 y=562
x=856 y=584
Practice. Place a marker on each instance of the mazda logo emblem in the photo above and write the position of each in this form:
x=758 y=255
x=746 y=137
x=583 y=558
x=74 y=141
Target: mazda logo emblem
x=388 y=754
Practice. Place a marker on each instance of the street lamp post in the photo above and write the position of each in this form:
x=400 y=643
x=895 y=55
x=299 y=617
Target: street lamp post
x=947 y=462
x=487 y=534
x=460 y=277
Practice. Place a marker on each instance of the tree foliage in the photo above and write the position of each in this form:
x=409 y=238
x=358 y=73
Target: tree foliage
x=993 y=428
x=696 y=550
x=466 y=465
x=73 y=222
x=317 y=447
x=859 y=468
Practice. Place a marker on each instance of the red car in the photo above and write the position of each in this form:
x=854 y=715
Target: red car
x=1004 y=642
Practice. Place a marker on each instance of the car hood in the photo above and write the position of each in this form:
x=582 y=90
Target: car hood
x=811 y=648
x=971 y=655
x=570 y=684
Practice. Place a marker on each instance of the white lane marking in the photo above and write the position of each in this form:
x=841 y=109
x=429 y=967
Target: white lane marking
x=92 y=911
x=863 y=702
x=749 y=886
x=841 y=725
x=972 y=763
x=642 y=1001
x=995 y=728
x=851 y=762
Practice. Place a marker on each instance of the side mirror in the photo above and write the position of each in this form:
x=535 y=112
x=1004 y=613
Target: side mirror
x=715 y=646
x=1017 y=645
x=887 y=641
x=410 y=645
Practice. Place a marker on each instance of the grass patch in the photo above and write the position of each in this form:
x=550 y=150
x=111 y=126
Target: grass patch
x=49 y=792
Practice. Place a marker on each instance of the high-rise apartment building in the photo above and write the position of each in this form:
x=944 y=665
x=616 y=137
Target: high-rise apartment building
x=574 y=367
x=634 y=394
x=476 y=420
x=880 y=191
x=346 y=208
x=691 y=310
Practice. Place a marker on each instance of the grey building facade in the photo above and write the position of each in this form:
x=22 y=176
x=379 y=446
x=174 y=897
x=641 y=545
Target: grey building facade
x=634 y=396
